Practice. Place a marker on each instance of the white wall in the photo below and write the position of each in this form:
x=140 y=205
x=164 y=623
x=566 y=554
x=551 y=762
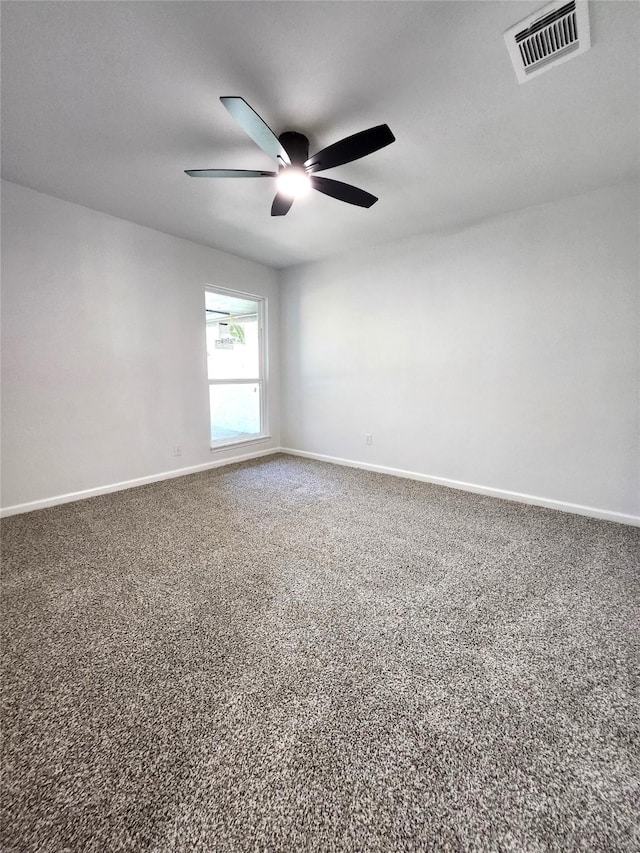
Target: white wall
x=103 y=341
x=503 y=355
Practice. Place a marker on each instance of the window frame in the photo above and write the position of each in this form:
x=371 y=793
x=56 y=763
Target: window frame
x=261 y=381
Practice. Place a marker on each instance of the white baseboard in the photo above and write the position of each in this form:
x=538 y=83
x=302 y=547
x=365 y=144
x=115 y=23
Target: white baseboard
x=128 y=484
x=549 y=503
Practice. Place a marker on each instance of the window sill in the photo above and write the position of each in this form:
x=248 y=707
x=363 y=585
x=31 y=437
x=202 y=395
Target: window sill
x=224 y=444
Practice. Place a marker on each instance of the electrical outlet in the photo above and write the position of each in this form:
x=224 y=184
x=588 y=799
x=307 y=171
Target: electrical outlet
x=368 y=438
x=177 y=450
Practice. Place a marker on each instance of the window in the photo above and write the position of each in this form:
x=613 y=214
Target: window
x=236 y=366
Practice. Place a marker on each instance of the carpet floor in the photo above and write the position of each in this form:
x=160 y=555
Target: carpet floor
x=286 y=655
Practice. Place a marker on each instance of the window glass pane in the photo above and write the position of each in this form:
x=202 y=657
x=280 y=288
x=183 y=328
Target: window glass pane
x=232 y=348
x=235 y=411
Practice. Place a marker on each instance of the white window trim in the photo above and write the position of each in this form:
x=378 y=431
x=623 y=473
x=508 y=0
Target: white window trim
x=262 y=380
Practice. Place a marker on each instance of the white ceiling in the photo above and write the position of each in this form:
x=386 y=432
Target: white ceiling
x=106 y=103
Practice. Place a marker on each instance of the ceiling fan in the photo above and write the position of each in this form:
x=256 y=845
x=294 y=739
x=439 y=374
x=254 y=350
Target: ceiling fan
x=296 y=170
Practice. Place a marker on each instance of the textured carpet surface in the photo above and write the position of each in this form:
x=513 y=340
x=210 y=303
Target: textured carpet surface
x=291 y=656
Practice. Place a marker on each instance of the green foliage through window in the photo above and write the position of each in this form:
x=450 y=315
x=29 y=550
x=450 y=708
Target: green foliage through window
x=236 y=332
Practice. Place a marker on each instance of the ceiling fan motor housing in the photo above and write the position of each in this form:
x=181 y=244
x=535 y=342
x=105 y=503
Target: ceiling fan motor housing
x=297 y=147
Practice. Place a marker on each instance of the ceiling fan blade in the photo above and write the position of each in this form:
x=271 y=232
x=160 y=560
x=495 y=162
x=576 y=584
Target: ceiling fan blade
x=255 y=127
x=343 y=192
x=228 y=173
x=281 y=205
x=351 y=148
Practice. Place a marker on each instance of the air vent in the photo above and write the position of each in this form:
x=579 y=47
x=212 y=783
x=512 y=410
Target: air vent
x=551 y=35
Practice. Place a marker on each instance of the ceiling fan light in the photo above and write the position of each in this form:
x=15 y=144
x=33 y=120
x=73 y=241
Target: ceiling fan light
x=293 y=183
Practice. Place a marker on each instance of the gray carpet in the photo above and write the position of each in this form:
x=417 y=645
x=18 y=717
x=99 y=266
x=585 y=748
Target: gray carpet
x=291 y=656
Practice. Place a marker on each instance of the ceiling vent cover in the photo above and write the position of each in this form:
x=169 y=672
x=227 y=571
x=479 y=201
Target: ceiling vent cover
x=553 y=34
